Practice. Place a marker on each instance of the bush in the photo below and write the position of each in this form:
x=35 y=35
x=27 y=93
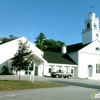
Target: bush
x=5 y=70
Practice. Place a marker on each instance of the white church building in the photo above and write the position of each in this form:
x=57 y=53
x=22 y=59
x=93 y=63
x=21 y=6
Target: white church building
x=81 y=59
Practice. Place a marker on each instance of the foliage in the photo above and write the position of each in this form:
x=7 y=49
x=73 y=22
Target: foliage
x=5 y=70
x=7 y=39
x=40 y=38
x=39 y=41
x=40 y=46
x=48 y=44
x=23 y=57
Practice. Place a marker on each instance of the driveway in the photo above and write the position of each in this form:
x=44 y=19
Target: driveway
x=87 y=83
x=78 y=89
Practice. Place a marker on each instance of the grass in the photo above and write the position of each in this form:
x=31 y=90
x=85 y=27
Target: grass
x=16 y=85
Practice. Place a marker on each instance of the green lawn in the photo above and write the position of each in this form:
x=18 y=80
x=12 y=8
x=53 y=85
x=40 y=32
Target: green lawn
x=16 y=85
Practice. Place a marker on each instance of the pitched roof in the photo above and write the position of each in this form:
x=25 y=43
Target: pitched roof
x=75 y=47
x=70 y=48
x=56 y=57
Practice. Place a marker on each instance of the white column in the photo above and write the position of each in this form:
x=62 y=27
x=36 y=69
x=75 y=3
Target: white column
x=62 y=67
x=32 y=73
x=54 y=67
x=70 y=69
x=44 y=69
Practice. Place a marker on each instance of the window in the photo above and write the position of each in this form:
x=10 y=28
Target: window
x=60 y=71
x=71 y=70
x=97 y=35
x=97 y=68
x=97 y=48
x=88 y=26
x=49 y=70
x=95 y=25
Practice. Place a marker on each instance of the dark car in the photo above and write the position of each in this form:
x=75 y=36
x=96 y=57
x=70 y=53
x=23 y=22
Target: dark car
x=61 y=73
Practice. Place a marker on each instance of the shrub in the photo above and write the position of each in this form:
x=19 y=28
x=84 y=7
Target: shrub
x=5 y=70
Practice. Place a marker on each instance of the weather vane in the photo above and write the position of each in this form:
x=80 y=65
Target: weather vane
x=91 y=8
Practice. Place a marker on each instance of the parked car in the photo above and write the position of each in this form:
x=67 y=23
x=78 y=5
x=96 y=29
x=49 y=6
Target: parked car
x=61 y=73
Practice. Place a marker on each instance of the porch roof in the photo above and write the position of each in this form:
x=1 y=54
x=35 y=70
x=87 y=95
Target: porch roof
x=39 y=58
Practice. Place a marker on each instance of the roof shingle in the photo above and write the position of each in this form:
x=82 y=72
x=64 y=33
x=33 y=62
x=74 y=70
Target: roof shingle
x=75 y=47
x=55 y=57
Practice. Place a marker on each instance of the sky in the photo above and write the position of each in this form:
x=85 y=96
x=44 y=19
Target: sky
x=58 y=19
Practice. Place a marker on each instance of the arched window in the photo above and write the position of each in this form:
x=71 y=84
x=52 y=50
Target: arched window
x=88 y=26
x=90 y=66
x=95 y=26
x=97 y=48
x=97 y=35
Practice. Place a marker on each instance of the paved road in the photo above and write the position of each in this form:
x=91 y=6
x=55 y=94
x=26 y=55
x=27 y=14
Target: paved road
x=78 y=89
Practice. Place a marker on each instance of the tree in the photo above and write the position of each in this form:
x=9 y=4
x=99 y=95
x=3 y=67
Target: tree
x=40 y=46
x=39 y=41
x=7 y=39
x=40 y=38
x=59 y=43
x=48 y=44
x=23 y=57
x=53 y=45
x=5 y=70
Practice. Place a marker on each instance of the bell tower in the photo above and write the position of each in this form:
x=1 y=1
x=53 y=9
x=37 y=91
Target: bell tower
x=92 y=30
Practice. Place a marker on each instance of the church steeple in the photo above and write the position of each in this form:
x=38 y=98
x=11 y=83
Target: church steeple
x=92 y=30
